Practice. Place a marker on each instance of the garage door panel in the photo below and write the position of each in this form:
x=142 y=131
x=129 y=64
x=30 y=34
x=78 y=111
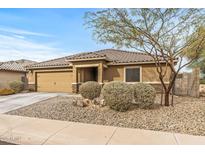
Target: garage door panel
x=54 y=82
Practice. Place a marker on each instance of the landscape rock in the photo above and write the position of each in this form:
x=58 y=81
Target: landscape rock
x=102 y=102
x=74 y=102
x=96 y=101
x=187 y=115
x=86 y=102
x=80 y=103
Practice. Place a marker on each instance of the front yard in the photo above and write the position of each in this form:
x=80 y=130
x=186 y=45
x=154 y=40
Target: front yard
x=187 y=115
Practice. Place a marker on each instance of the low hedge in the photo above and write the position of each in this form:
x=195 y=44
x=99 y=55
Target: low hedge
x=16 y=86
x=202 y=81
x=118 y=95
x=144 y=94
x=90 y=90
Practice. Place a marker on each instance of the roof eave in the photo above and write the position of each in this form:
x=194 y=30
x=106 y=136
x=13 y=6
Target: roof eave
x=132 y=63
x=48 y=67
x=86 y=59
x=13 y=70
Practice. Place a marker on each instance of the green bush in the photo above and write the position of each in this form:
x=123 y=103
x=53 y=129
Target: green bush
x=202 y=81
x=90 y=90
x=31 y=89
x=6 y=91
x=16 y=86
x=144 y=94
x=118 y=95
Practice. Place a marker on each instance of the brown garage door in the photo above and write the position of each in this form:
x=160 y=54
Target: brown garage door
x=54 y=82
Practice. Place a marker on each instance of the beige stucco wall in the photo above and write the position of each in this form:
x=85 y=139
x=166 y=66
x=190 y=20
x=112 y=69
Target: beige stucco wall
x=8 y=76
x=110 y=73
x=148 y=73
x=113 y=73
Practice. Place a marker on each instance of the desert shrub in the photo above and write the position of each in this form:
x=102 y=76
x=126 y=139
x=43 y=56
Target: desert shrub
x=202 y=81
x=6 y=91
x=31 y=89
x=17 y=86
x=118 y=95
x=90 y=90
x=144 y=94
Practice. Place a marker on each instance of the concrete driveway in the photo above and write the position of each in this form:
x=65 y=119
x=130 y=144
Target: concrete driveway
x=12 y=102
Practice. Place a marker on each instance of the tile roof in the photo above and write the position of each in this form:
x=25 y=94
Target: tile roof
x=25 y=62
x=86 y=55
x=18 y=65
x=113 y=56
x=59 y=62
x=12 y=66
x=121 y=56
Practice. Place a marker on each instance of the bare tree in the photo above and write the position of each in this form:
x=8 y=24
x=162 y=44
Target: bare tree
x=164 y=34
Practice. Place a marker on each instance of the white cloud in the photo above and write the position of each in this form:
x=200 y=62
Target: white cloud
x=21 y=31
x=16 y=45
x=19 y=36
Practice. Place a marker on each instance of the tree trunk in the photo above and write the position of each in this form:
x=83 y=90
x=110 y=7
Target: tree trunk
x=166 y=99
x=172 y=103
x=169 y=89
x=162 y=96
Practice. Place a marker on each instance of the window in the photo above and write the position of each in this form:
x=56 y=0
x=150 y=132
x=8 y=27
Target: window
x=132 y=74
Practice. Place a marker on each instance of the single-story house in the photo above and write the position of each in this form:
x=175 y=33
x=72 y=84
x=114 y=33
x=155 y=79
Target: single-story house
x=13 y=71
x=66 y=74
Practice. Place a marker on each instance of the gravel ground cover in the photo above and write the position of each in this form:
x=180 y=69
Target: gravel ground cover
x=187 y=116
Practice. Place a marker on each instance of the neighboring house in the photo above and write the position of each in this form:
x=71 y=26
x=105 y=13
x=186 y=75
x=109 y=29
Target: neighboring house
x=13 y=71
x=67 y=73
x=25 y=62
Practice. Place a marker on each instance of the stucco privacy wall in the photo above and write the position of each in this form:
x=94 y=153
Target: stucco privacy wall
x=8 y=76
x=188 y=83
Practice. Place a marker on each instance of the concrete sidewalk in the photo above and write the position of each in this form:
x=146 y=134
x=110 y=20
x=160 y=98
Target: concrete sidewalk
x=25 y=130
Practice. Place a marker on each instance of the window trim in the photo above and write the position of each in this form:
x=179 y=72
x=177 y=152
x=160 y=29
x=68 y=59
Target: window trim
x=127 y=67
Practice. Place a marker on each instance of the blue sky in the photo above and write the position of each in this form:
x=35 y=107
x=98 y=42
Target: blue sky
x=42 y=34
